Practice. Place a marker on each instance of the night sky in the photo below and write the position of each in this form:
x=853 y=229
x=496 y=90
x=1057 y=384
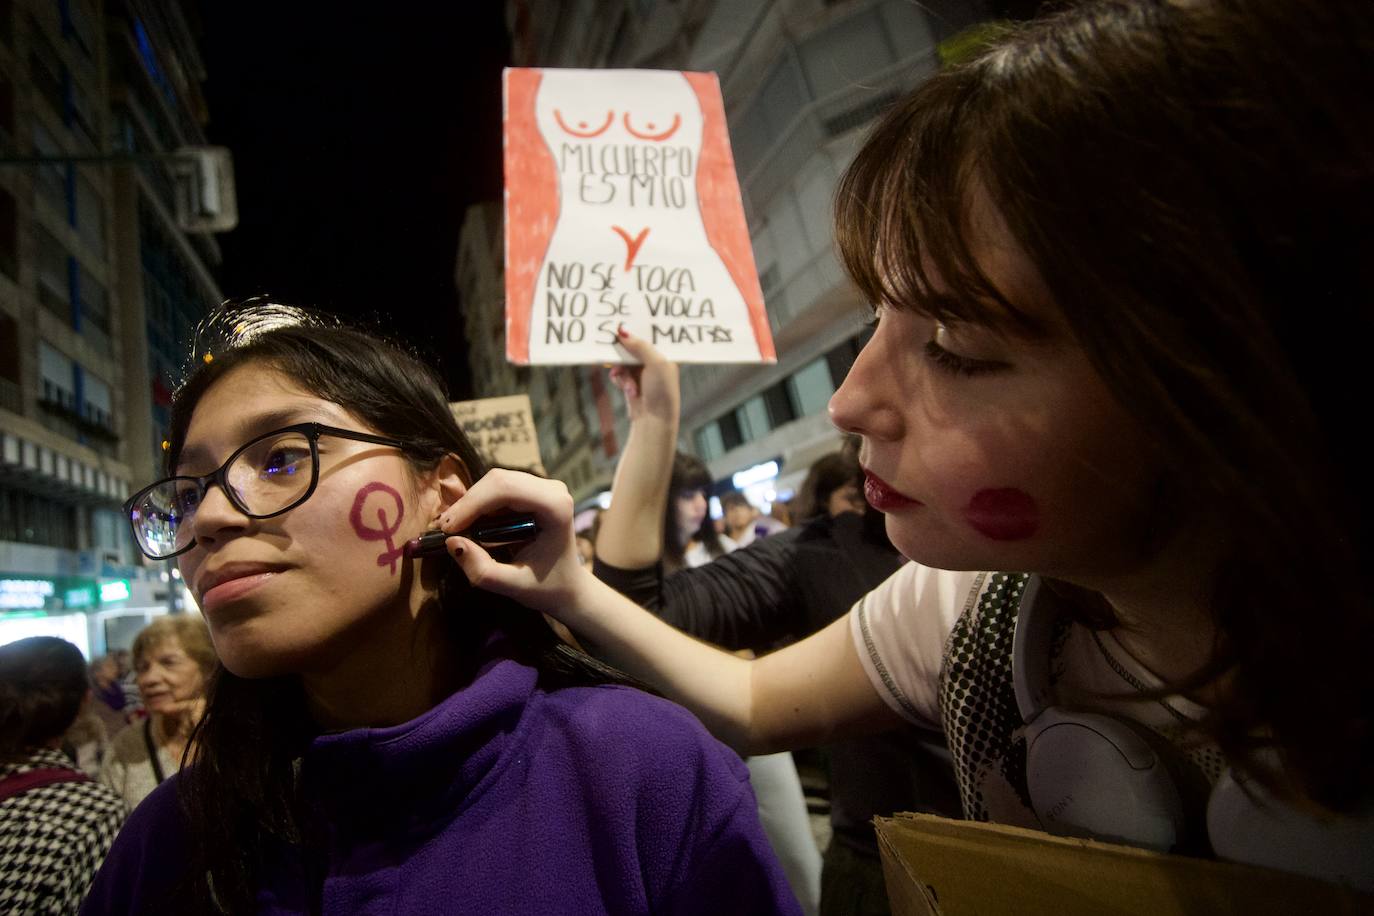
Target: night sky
x=360 y=132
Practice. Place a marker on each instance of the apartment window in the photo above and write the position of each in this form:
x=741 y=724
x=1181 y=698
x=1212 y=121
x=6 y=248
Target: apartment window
x=131 y=137
x=171 y=296
x=54 y=280
x=97 y=406
x=781 y=407
x=11 y=395
x=77 y=28
x=9 y=349
x=731 y=436
x=90 y=215
x=58 y=375
x=754 y=418
x=9 y=235
x=149 y=58
x=79 y=112
x=709 y=443
x=95 y=302
x=28 y=518
x=50 y=184
x=110 y=532
x=842 y=357
x=812 y=387
x=45 y=69
x=6 y=109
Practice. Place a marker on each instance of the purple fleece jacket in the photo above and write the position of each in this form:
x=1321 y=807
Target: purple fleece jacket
x=504 y=798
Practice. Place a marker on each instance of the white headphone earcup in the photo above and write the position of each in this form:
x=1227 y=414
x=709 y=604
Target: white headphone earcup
x=1091 y=775
x=1248 y=824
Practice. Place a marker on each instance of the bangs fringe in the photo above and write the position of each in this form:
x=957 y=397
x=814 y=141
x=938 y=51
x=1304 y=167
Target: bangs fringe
x=903 y=210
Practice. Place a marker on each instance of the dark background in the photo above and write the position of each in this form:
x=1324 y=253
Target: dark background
x=359 y=134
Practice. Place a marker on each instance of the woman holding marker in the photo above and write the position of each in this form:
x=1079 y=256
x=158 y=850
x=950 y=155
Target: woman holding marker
x=1120 y=264
x=380 y=737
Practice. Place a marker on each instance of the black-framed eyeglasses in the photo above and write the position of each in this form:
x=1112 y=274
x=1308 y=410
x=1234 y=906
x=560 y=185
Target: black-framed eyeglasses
x=272 y=474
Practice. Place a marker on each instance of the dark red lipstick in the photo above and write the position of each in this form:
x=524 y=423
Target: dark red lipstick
x=882 y=496
x=1005 y=514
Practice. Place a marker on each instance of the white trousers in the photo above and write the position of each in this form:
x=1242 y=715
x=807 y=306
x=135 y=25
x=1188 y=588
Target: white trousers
x=782 y=810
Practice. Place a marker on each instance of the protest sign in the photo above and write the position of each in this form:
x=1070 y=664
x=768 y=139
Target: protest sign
x=939 y=867
x=622 y=208
x=502 y=430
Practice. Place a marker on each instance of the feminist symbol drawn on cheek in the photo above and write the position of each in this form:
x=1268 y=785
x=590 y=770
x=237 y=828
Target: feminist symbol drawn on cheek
x=385 y=530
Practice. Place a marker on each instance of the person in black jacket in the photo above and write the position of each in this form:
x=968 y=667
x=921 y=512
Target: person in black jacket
x=775 y=591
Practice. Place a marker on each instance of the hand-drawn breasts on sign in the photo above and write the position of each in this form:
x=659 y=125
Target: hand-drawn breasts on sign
x=639 y=225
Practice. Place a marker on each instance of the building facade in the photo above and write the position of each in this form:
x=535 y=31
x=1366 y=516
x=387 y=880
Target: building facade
x=99 y=290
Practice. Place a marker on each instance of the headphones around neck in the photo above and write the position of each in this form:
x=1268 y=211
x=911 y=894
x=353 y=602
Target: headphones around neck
x=1109 y=778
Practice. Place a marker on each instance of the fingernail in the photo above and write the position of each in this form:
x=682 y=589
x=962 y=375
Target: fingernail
x=620 y=329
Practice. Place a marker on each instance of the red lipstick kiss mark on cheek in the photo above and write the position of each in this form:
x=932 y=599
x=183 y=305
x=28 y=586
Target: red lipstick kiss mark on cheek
x=1007 y=514
x=385 y=530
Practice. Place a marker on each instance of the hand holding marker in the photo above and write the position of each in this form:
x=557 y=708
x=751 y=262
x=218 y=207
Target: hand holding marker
x=490 y=531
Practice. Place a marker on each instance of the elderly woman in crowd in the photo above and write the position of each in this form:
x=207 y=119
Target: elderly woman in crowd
x=173 y=659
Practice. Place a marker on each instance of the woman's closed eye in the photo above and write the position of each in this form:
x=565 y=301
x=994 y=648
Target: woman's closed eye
x=943 y=353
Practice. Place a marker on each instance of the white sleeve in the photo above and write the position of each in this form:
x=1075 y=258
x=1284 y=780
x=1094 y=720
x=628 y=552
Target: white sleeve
x=899 y=630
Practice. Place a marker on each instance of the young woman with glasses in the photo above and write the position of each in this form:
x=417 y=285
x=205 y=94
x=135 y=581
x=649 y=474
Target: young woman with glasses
x=380 y=737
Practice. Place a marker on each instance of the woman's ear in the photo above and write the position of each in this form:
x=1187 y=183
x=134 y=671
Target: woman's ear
x=452 y=478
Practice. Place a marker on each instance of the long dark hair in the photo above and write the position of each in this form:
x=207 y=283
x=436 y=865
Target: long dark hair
x=1194 y=182
x=827 y=474
x=241 y=795
x=689 y=473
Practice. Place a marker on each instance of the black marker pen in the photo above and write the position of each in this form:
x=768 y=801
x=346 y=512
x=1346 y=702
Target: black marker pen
x=491 y=531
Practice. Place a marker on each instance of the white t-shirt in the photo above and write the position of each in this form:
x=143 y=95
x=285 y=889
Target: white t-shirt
x=937 y=647
x=698 y=555
x=905 y=634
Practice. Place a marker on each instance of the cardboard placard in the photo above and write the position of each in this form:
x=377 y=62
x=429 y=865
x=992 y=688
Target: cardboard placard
x=934 y=865
x=622 y=207
x=502 y=430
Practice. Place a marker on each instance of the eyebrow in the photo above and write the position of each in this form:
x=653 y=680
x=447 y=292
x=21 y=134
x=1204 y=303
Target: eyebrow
x=260 y=423
x=1008 y=318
